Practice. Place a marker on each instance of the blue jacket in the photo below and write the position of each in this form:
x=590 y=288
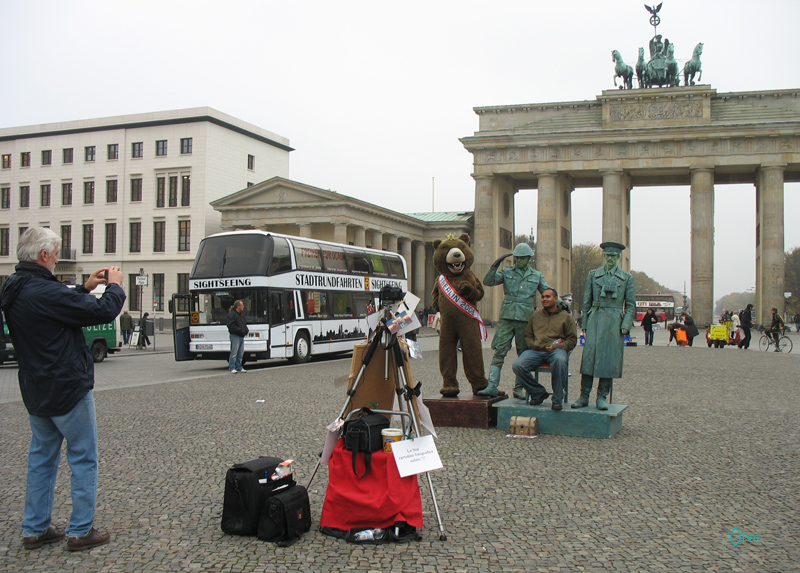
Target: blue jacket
x=45 y=320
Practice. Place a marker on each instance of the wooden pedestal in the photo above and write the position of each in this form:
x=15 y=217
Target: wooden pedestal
x=464 y=411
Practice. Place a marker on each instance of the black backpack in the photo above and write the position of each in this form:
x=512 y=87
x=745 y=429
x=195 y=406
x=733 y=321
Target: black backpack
x=248 y=486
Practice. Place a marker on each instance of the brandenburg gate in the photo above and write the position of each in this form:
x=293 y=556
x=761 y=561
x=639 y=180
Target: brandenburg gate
x=629 y=138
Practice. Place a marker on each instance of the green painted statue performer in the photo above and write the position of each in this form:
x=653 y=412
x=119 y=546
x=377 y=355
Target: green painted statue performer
x=609 y=305
x=520 y=283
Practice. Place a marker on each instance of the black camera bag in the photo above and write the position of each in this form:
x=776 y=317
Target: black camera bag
x=363 y=434
x=248 y=485
x=285 y=516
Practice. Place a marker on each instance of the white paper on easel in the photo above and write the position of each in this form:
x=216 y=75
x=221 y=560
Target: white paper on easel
x=331 y=440
x=416 y=456
x=425 y=417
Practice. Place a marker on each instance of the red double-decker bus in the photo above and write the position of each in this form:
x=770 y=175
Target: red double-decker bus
x=663 y=304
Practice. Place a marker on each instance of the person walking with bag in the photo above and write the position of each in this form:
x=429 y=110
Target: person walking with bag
x=56 y=378
x=237 y=328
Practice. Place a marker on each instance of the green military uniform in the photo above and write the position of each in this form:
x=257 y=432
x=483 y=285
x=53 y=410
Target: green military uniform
x=520 y=286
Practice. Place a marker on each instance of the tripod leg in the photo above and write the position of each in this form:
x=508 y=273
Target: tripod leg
x=412 y=409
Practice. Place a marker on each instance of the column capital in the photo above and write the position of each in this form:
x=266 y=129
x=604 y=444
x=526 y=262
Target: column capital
x=773 y=167
x=482 y=176
x=702 y=169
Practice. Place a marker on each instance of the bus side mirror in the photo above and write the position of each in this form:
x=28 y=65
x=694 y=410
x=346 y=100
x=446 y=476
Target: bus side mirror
x=171 y=307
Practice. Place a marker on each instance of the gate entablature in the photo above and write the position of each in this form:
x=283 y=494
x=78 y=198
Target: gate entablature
x=670 y=136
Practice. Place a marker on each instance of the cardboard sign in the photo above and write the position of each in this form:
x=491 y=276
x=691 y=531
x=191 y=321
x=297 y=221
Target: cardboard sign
x=416 y=456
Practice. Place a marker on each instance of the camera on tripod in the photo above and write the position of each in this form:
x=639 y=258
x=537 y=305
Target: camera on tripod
x=391 y=295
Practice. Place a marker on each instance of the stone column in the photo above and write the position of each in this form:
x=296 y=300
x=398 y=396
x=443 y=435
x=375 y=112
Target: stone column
x=377 y=240
x=419 y=272
x=340 y=233
x=547 y=229
x=404 y=248
x=305 y=230
x=391 y=243
x=616 y=212
x=702 y=210
x=484 y=238
x=770 y=262
x=360 y=237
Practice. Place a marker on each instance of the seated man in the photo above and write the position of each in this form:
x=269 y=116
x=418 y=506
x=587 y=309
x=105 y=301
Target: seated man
x=550 y=335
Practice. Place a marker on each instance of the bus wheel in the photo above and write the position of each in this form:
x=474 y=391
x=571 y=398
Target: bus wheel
x=98 y=351
x=302 y=349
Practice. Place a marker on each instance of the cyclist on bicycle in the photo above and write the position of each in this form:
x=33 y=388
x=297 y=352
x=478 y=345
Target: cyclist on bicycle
x=776 y=328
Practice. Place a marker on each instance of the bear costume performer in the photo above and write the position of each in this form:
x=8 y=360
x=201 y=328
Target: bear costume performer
x=457 y=291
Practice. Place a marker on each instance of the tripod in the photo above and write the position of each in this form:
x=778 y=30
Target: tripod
x=406 y=399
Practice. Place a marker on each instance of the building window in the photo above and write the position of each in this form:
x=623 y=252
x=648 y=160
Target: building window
x=251 y=162
x=88 y=239
x=88 y=153
x=161 y=147
x=136 y=189
x=173 y=191
x=88 y=192
x=24 y=196
x=113 y=150
x=111 y=237
x=137 y=149
x=47 y=157
x=6 y=161
x=4 y=241
x=66 y=193
x=5 y=198
x=183 y=288
x=136 y=237
x=185 y=190
x=66 y=241
x=186 y=145
x=25 y=159
x=161 y=184
x=184 y=235
x=67 y=155
x=159 y=236
x=134 y=292
x=45 y=188
x=158 y=291
x=111 y=191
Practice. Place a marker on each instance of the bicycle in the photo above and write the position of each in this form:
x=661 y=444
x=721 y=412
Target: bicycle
x=784 y=343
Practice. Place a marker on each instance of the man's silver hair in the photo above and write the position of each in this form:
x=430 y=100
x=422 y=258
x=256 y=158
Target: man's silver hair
x=34 y=241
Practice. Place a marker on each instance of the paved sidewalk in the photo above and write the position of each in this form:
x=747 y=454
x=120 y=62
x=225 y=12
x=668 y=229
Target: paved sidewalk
x=710 y=447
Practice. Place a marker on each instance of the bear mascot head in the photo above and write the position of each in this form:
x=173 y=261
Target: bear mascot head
x=454 y=296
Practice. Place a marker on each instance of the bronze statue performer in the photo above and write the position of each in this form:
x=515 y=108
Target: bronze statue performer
x=609 y=306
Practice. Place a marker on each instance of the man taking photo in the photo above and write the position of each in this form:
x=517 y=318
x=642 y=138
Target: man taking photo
x=550 y=335
x=56 y=377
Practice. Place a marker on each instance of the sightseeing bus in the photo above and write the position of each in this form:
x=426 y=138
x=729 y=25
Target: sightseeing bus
x=663 y=304
x=302 y=297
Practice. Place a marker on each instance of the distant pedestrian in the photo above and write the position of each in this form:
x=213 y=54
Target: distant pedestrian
x=689 y=326
x=126 y=326
x=237 y=328
x=746 y=322
x=797 y=321
x=144 y=342
x=648 y=320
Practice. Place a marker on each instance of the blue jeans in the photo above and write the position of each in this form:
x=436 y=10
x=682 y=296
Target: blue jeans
x=558 y=359
x=79 y=428
x=648 y=338
x=237 y=352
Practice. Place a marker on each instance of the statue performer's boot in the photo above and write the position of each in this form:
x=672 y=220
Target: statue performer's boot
x=494 y=381
x=603 y=388
x=586 y=389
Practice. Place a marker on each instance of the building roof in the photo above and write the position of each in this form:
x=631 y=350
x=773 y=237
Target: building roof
x=443 y=216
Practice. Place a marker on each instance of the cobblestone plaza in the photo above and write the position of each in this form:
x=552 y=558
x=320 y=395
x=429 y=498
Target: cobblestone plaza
x=702 y=476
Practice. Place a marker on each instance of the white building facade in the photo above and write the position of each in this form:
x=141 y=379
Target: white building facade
x=133 y=191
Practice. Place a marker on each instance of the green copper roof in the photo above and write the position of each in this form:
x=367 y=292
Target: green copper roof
x=442 y=217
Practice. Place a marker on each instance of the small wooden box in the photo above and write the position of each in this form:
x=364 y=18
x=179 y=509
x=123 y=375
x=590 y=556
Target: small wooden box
x=524 y=426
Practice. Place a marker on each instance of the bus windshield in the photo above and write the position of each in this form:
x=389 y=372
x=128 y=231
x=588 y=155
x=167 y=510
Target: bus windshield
x=233 y=256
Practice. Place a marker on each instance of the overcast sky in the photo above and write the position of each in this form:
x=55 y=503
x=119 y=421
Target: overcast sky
x=375 y=95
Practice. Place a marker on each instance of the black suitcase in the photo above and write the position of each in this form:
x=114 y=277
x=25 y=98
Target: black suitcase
x=286 y=516
x=247 y=488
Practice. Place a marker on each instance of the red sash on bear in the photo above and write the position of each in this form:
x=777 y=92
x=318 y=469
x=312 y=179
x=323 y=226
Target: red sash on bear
x=462 y=304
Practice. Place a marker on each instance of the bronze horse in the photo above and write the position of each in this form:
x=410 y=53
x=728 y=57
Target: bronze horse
x=622 y=70
x=692 y=67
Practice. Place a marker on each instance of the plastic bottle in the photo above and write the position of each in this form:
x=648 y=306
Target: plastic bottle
x=369 y=535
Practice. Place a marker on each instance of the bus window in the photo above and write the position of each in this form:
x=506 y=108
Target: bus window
x=334 y=259
x=342 y=305
x=357 y=263
x=379 y=266
x=231 y=256
x=308 y=256
x=214 y=307
x=395 y=267
x=316 y=304
x=362 y=300
x=281 y=261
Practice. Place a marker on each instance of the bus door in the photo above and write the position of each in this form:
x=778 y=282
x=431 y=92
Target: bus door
x=281 y=314
x=180 y=306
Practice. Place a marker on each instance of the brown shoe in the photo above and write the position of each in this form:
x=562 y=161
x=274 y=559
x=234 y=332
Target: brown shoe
x=52 y=535
x=88 y=541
